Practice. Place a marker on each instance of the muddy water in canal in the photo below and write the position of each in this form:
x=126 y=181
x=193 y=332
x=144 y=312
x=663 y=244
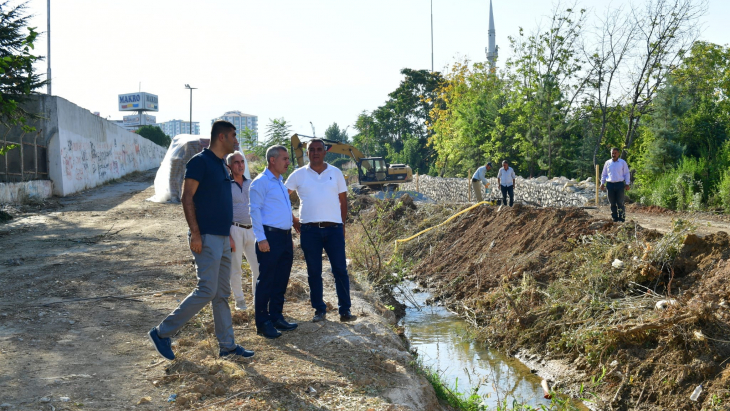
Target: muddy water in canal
x=440 y=338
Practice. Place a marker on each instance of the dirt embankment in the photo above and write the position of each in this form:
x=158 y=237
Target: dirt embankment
x=65 y=346
x=641 y=318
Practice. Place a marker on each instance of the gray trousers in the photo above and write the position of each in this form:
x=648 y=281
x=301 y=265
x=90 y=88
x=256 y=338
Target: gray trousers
x=477 y=186
x=213 y=266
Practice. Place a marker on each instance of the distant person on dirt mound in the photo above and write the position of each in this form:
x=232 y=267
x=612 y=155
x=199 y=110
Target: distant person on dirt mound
x=506 y=177
x=480 y=178
x=323 y=192
x=241 y=232
x=615 y=179
x=206 y=201
x=272 y=221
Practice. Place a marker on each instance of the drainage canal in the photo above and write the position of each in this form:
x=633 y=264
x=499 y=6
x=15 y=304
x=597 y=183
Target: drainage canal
x=440 y=339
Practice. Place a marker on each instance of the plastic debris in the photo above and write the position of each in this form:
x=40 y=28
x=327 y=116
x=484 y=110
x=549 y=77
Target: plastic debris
x=696 y=393
x=617 y=263
x=144 y=400
x=311 y=390
x=65 y=399
x=546 y=389
x=45 y=399
x=172 y=398
x=664 y=304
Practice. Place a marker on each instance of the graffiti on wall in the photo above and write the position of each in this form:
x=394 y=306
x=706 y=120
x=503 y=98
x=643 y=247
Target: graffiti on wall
x=88 y=163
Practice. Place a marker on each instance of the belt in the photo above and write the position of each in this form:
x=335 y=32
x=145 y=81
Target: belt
x=246 y=226
x=474 y=180
x=321 y=224
x=276 y=230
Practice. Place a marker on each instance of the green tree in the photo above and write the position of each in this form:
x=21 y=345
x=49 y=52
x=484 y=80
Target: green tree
x=278 y=132
x=405 y=115
x=249 y=141
x=17 y=78
x=546 y=86
x=155 y=135
x=334 y=133
x=466 y=131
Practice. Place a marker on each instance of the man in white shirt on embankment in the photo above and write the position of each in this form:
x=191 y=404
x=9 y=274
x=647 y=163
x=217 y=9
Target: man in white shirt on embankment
x=615 y=179
x=323 y=213
x=506 y=177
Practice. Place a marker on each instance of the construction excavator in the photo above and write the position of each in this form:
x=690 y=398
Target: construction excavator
x=372 y=172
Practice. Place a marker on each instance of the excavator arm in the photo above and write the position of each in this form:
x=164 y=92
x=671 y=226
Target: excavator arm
x=299 y=147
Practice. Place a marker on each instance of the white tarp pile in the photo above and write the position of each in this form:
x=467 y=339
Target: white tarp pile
x=170 y=175
x=169 y=179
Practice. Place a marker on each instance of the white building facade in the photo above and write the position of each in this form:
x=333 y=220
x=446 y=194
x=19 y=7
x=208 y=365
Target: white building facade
x=242 y=121
x=175 y=127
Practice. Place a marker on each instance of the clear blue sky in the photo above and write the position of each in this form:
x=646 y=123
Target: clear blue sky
x=322 y=60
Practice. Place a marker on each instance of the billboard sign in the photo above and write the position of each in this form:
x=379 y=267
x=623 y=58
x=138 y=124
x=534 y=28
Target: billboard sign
x=138 y=102
x=134 y=120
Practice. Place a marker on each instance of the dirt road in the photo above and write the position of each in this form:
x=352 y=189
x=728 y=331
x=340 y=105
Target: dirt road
x=662 y=220
x=63 y=347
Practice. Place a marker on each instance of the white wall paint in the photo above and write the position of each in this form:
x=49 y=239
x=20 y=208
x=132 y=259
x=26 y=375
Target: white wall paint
x=87 y=150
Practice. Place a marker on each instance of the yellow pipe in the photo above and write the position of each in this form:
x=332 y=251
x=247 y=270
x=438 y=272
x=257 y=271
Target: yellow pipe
x=405 y=240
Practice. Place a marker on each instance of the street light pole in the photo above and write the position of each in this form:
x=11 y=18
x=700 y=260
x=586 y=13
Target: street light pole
x=431 y=36
x=48 y=75
x=187 y=86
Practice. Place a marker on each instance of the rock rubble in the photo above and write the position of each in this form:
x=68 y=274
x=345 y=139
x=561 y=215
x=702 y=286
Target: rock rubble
x=555 y=192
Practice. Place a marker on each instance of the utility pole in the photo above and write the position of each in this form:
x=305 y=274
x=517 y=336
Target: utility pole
x=48 y=75
x=187 y=86
x=431 y=36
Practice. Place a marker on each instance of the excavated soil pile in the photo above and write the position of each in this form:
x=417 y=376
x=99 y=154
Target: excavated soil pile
x=638 y=317
x=486 y=246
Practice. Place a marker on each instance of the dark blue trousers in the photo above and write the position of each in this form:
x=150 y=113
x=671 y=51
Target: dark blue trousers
x=274 y=270
x=615 y=192
x=332 y=240
x=508 y=190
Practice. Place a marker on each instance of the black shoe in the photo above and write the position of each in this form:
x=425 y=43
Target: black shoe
x=238 y=352
x=347 y=317
x=282 y=325
x=319 y=316
x=267 y=330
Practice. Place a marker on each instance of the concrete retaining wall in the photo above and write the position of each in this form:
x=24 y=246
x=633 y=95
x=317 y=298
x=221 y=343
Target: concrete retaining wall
x=20 y=192
x=558 y=192
x=83 y=150
x=87 y=150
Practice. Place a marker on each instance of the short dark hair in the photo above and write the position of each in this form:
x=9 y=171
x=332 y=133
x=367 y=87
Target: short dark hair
x=316 y=140
x=615 y=148
x=220 y=126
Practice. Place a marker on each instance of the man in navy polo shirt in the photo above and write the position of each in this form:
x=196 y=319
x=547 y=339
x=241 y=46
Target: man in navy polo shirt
x=208 y=207
x=323 y=192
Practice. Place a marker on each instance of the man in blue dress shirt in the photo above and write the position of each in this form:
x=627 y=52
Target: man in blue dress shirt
x=615 y=179
x=208 y=207
x=272 y=220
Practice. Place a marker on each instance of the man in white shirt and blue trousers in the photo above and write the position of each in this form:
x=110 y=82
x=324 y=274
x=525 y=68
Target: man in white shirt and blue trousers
x=323 y=212
x=615 y=179
x=272 y=220
x=506 y=177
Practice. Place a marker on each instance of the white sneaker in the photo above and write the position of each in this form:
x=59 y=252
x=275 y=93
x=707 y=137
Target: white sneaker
x=240 y=305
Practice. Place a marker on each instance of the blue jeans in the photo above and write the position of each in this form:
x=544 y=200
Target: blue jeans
x=274 y=270
x=332 y=240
